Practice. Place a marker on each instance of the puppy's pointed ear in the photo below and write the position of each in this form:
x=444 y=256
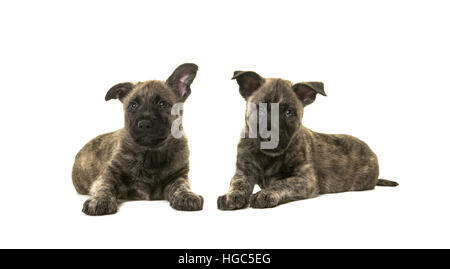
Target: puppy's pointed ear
x=307 y=91
x=248 y=81
x=181 y=79
x=119 y=91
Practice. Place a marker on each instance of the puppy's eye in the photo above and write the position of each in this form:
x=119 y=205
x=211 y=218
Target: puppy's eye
x=163 y=104
x=288 y=113
x=133 y=105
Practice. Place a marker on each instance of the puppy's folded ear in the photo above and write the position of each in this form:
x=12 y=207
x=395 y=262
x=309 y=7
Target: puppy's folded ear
x=307 y=91
x=248 y=81
x=181 y=79
x=119 y=91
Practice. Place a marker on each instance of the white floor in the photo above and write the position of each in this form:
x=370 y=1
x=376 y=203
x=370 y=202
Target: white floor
x=403 y=217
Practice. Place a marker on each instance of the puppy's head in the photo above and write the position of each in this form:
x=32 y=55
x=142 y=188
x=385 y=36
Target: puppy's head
x=291 y=99
x=147 y=105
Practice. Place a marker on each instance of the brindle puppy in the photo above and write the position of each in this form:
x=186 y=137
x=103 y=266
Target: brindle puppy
x=304 y=163
x=141 y=161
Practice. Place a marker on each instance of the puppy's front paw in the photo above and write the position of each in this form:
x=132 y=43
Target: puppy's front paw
x=96 y=206
x=263 y=199
x=232 y=200
x=187 y=201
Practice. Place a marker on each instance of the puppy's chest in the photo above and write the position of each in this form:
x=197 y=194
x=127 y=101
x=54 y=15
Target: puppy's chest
x=149 y=168
x=280 y=168
x=277 y=169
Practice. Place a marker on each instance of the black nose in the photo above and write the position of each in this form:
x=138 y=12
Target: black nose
x=144 y=124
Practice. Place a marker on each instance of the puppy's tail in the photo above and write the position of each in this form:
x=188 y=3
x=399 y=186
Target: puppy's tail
x=385 y=182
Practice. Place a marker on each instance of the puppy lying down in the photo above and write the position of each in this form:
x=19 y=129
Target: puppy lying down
x=143 y=160
x=301 y=163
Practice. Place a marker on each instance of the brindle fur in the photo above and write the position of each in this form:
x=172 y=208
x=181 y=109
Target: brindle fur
x=115 y=166
x=305 y=163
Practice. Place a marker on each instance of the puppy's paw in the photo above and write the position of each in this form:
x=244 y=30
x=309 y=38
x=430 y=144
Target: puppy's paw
x=232 y=200
x=96 y=206
x=187 y=201
x=263 y=199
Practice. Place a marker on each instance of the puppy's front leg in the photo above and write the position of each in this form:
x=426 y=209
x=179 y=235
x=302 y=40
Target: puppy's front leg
x=103 y=200
x=180 y=196
x=285 y=190
x=238 y=195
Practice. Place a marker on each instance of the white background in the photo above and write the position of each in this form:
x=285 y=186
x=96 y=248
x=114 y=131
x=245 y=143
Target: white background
x=385 y=65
